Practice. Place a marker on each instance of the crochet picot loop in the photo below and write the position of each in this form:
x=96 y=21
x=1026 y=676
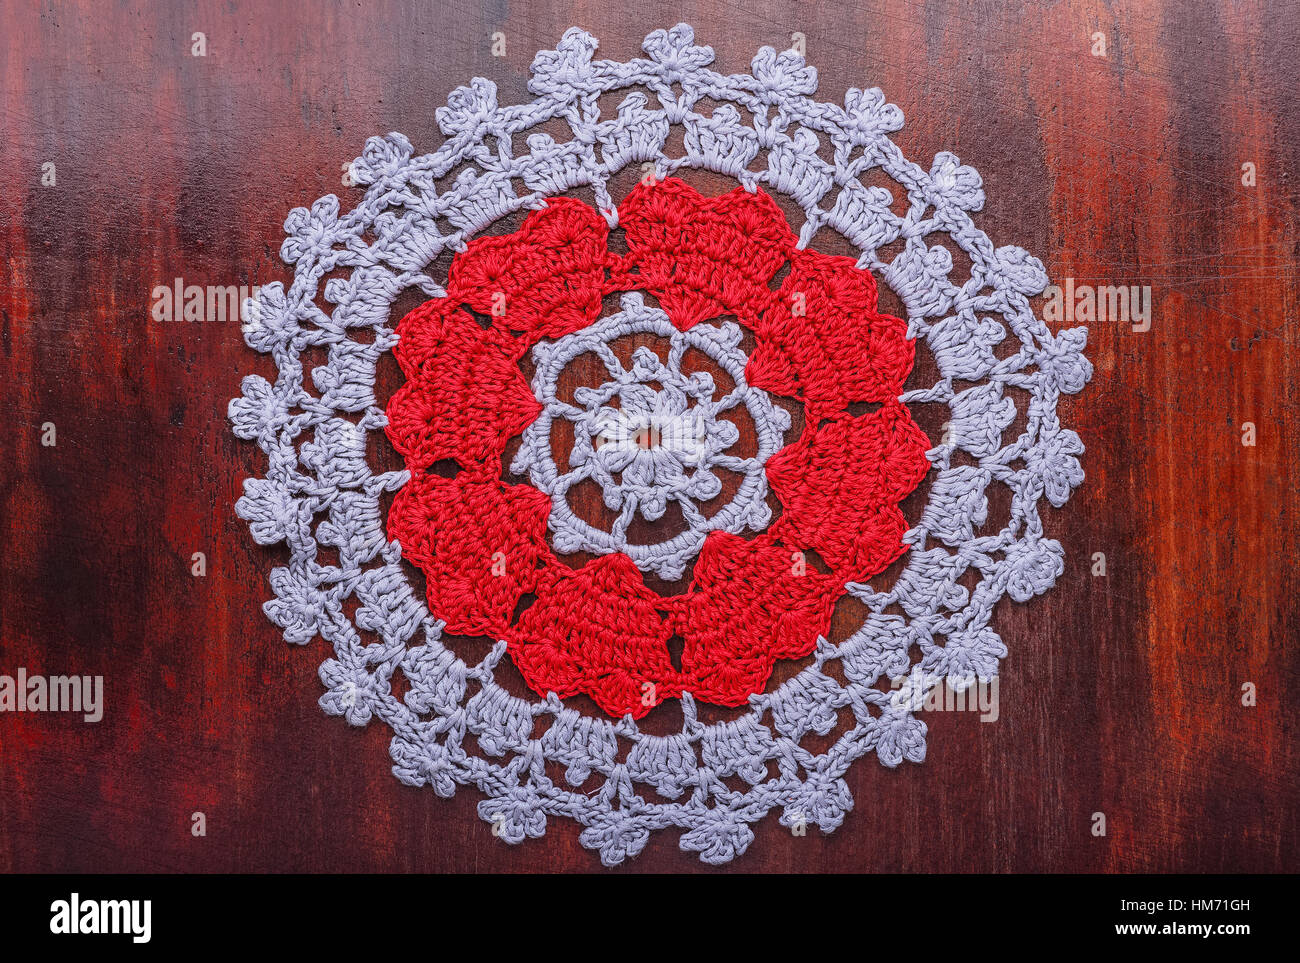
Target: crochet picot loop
x=598 y=630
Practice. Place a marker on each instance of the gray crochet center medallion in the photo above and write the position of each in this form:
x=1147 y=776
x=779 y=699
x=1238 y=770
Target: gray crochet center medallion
x=654 y=398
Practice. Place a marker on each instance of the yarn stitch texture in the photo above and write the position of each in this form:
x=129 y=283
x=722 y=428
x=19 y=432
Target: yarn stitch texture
x=536 y=759
x=600 y=630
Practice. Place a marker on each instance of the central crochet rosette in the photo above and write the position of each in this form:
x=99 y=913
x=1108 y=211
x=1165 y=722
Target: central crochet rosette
x=655 y=431
x=649 y=436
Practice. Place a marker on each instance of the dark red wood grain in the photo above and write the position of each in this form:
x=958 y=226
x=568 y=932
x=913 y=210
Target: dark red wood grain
x=1121 y=694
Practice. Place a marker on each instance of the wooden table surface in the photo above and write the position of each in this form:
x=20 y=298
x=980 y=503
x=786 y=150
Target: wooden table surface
x=1122 y=693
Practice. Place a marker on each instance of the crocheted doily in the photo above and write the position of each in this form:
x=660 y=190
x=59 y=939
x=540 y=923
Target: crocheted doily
x=704 y=324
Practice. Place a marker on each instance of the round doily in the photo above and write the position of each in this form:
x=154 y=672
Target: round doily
x=536 y=759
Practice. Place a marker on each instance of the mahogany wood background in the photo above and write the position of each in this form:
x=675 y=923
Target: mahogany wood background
x=1120 y=695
